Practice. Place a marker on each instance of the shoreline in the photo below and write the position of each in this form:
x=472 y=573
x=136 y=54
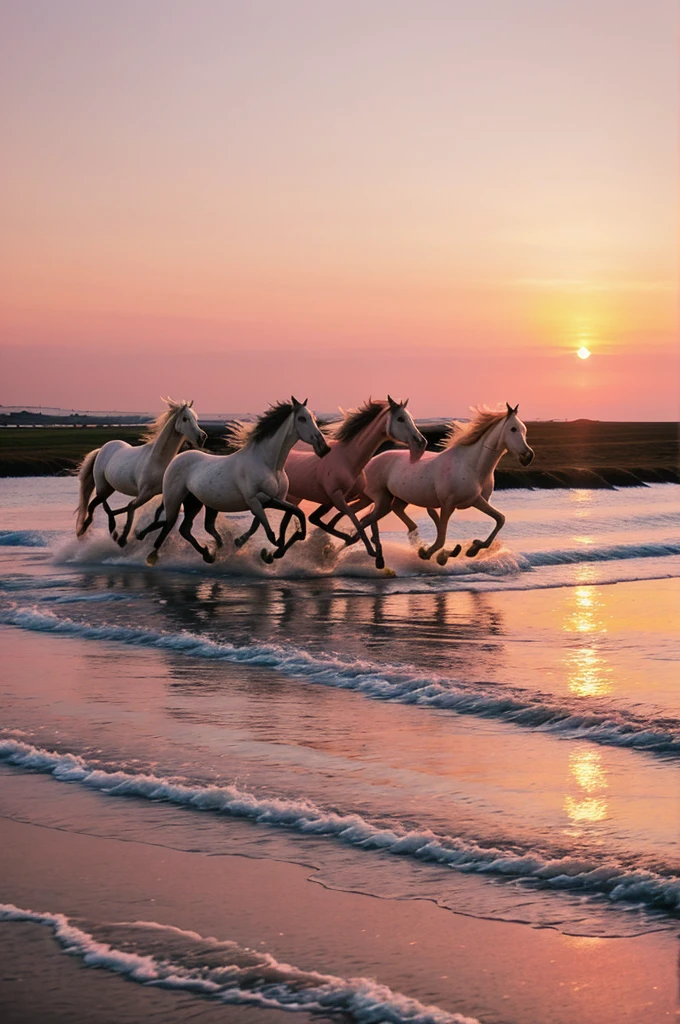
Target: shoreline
x=486 y=969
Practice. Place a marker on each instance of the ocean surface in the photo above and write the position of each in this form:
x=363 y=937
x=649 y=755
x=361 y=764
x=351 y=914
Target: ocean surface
x=500 y=735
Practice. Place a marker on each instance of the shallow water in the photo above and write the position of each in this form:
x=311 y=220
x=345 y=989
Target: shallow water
x=500 y=735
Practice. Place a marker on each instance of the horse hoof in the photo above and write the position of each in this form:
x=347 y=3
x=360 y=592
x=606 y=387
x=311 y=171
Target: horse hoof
x=389 y=572
x=380 y=562
x=472 y=551
x=423 y=553
x=122 y=541
x=442 y=558
x=208 y=557
x=456 y=551
x=239 y=542
x=114 y=535
x=152 y=558
x=266 y=556
x=219 y=542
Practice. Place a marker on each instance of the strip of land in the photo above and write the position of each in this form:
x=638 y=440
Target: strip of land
x=582 y=453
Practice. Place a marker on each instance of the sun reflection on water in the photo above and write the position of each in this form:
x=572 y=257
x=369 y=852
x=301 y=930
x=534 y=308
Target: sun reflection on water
x=587 y=772
x=589 y=674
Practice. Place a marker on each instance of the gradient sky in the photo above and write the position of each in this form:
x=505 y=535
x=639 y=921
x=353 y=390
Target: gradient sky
x=232 y=200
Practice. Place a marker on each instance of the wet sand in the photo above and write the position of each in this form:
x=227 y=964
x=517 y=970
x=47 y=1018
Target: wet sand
x=471 y=965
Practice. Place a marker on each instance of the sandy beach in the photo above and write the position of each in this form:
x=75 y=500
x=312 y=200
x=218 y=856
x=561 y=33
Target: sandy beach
x=505 y=972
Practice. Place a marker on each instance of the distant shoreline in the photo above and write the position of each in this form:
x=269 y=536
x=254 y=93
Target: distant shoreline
x=578 y=454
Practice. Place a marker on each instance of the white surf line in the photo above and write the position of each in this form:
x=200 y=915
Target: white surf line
x=611 y=879
x=257 y=980
x=401 y=685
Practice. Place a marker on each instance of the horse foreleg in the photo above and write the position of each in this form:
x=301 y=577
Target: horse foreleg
x=440 y=539
x=136 y=503
x=399 y=509
x=257 y=508
x=290 y=509
x=316 y=520
x=362 y=502
x=253 y=528
x=443 y=556
x=192 y=506
x=340 y=503
x=281 y=542
x=209 y=525
x=483 y=505
x=381 y=508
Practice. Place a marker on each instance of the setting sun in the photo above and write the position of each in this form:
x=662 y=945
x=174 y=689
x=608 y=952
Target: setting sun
x=583 y=353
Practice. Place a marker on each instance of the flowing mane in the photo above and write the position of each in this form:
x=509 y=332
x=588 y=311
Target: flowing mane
x=240 y=434
x=469 y=433
x=155 y=428
x=358 y=419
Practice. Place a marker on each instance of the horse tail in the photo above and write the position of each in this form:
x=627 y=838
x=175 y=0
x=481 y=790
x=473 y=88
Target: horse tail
x=86 y=477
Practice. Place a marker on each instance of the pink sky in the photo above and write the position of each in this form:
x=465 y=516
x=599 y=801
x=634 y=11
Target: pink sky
x=234 y=200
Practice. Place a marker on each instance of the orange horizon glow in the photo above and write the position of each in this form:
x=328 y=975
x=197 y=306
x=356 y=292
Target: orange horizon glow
x=327 y=200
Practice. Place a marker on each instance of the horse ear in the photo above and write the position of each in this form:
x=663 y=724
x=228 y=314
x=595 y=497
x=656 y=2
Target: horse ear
x=509 y=408
x=294 y=401
x=404 y=404
x=393 y=405
x=516 y=408
x=191 y=404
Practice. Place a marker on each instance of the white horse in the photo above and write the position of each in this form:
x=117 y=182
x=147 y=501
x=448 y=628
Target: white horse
x=138 y=470
x=250 y=479
x=460 y=476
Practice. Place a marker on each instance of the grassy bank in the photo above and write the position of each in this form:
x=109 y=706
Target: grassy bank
x=583 y=453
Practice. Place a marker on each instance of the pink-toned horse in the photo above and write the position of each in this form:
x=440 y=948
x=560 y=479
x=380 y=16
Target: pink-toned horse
x=334 y=481
x=461 y=476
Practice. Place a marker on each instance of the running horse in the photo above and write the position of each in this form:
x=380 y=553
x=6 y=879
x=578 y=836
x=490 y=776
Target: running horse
x=134 y=470
x=460 y=476
x=335 y=481
x=250 y=479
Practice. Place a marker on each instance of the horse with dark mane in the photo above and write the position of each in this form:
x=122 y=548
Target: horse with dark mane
x=250 y=479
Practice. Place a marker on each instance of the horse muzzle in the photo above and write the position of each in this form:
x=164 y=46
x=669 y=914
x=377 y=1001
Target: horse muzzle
x=322 y=448
x=527 y=457
x=202 y=438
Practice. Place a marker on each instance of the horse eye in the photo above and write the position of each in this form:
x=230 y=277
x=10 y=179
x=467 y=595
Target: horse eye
x=513 y=430
x=301 y=419
x=400 y=419
x=184 y=418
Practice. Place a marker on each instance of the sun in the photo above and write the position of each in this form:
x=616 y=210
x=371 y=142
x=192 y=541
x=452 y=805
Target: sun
x=583 y=353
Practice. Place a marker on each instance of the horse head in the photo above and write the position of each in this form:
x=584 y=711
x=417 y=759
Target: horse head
x=401 y=427
x=186 y=423
x=515 y=436
x=307 y=427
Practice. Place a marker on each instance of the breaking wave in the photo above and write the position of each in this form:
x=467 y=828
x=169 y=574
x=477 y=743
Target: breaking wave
x=615 y=552
x=24 y=539
x=613 y=880
x=401 y=684
x=227 y=973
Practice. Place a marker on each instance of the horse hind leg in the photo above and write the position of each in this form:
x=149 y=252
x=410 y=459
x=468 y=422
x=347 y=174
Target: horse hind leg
x=100 y=498
x=192 y=506
x=209 y=525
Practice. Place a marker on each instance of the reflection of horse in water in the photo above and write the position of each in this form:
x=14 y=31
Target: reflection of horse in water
x=461 y=476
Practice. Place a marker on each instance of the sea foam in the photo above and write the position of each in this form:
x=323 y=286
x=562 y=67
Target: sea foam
x=599 y=877
x=237 y=976
x=402 y=684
